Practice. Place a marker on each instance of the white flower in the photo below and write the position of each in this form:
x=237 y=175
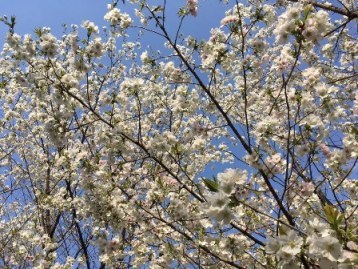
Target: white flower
x=95 y=48
x=90 y=26
x=285 y=247
x=273 y=245
x=291 y=243
x=69 y=81
x=219 y=208
x=115 y=17
x=318 y=226
x=286 y=23
x=219 y=199
x=198 y=143
x=321 y=90
x=221 y=214
x=347 y=259
x=48 y=45
x=316 y=26
x=231 y=177
x=311 y=75
x=327 y=246
x=269 y=13
x=145 y=58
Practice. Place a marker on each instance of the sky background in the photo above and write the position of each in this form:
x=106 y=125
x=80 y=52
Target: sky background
x=54 y=13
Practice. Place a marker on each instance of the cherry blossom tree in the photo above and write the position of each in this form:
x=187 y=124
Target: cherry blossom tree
x=105 y=145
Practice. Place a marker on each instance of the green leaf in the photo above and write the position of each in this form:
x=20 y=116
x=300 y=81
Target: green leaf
x=89 y=32
x=282 y=230
x=212 y=185
x=331 y=213
x=38 y=31
x=233 y=203
x=307 y=11
x=340 y=219
x=182 y=12
x=335 y=219
x=3 y=84
x=259 y=15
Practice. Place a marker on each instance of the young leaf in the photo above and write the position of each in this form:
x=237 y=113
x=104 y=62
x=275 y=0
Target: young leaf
x=212 y=185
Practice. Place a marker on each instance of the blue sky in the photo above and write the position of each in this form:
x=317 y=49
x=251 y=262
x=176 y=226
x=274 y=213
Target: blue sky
x=35 y=13
x=39 y=13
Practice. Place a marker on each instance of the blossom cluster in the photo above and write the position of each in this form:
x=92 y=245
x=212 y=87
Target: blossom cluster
x=299 y=20
x=118 y=20
x=239 y=151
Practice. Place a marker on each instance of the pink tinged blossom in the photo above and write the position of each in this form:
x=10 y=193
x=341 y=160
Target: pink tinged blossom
x=199 y=129
x=170 y=181
x=112 y=245
x=325 y=150
x=307 y=189
x=193 y=7
x=265 y=58
x=229 y=19
x=355 y=111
